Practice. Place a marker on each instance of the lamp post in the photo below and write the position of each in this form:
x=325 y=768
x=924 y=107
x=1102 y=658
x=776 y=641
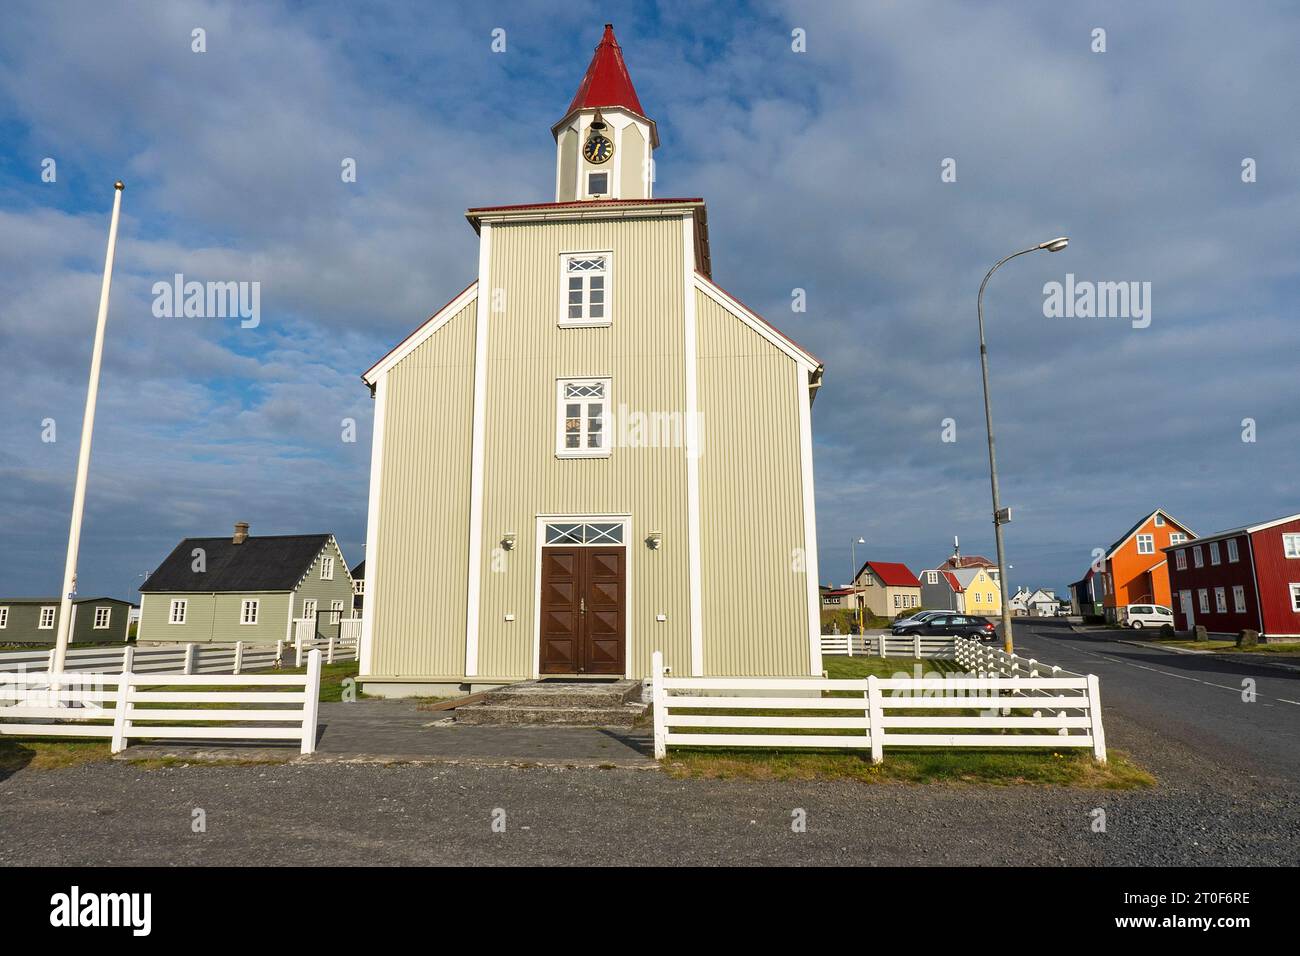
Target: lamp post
x=853 y=576
x=1000 y=515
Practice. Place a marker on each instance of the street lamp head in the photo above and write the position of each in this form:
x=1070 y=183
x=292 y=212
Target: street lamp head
x=862 y=540
x=1055 y=245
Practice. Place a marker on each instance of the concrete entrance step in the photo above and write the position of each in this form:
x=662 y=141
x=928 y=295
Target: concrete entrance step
x=614 y=703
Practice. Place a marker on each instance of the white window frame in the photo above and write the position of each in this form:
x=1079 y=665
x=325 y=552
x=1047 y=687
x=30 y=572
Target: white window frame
x=1215 y=558
x=607 y=284
x=1180 y=559
x=327 y=567
x=107 y=610
x=1198 y=557
x=1291 y=545
x=1220 y=601
x=584 y=451
x=336 y=611
x=931 y=577
x=1160 y=521
x=1146 y=544
x=359 y=586
x=180 y=605
x=1203 y=599
x=1239 y=599
x=1177 y=537
x=609 y=183
x=1295 y=597
x=40 y=622
x=4 y=617
x=309 y=606
x=1234 y=555
x=247 y=605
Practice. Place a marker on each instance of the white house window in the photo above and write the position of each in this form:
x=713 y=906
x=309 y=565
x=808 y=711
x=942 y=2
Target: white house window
x=177 y=613
x=1220 y=601
x=931 y=577
x=1177 y=537
x=309 y=607
x=1160 y=521
x=1214 y=553
x=336 y=611
x=1291 y=545
x=4 y=617
x=1239 y=598
x=898 y=601
x=248 y=611
x=596 y=532
x=359 y=587
x=1204 y=597
x=1180 y=559
x=102 y=615
x=1295 y=597
x=327 y=568
x=1198 y=558
x=585 y=279
x=582 y=410
x=597 y=184
x=1233 y=556
x=47 y=618
x=1146 y=544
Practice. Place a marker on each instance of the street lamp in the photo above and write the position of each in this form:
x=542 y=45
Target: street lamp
x=1000 y=515
x=853 y=576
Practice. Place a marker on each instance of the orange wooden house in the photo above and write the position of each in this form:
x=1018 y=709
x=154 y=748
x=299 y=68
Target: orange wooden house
x=1135 y=571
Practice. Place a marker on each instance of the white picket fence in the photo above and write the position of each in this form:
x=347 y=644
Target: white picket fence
x=176 y=659
x=345 y=646
x=1016 y=711
x=916 y=646
x=123 y=706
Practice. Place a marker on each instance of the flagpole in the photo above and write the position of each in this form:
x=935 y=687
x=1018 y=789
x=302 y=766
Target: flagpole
x=83 y=456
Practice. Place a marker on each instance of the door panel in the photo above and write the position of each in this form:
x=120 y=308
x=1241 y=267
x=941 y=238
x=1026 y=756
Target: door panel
x=583 y=622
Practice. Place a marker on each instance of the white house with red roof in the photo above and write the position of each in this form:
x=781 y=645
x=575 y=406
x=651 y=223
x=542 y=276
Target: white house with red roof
x=887 y=587
x=591 y=450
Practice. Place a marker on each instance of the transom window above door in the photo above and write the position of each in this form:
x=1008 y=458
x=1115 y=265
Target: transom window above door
x=596 y=532
x=584 y=283
x=582 y=411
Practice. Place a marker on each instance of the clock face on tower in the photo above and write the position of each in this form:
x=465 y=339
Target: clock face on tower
x=598 y=149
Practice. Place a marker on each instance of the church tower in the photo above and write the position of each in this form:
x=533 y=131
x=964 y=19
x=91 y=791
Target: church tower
x=604 y=143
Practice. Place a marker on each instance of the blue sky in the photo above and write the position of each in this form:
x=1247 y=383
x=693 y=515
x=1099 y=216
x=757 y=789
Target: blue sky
x=821 y=170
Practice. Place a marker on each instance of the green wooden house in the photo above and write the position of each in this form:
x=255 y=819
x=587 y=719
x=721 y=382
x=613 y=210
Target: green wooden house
x=35 y=620
x=246 y=588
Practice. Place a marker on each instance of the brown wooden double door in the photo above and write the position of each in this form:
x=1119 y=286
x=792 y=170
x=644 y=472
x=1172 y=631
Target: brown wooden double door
x=583 y=624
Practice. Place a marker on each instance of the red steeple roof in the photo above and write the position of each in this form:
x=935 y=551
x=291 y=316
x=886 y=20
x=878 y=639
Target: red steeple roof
x=607 y=82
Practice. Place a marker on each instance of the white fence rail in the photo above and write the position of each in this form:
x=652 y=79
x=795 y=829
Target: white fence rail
x=875 y=713
x=916 y=646
x=178 y=659
x=126 y=706
x=343 y=646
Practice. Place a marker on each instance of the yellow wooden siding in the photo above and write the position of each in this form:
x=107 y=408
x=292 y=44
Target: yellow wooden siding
x=418 y=589
x=642 y=352
x=755 y=597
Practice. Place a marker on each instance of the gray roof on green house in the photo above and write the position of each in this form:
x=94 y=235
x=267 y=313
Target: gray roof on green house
x=54 y=599
x=260 y=563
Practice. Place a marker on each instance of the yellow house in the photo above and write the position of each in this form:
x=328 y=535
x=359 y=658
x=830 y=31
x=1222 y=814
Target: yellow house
x=981 y=592
x=591 y=450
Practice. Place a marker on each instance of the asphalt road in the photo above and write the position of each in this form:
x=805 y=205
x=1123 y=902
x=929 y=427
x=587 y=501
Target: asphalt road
x=1183 y=714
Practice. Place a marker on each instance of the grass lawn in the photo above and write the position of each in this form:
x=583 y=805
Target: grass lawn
x=1067 y=767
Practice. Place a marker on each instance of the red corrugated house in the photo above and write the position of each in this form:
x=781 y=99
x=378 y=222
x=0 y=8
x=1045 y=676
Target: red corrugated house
x=1248 y=577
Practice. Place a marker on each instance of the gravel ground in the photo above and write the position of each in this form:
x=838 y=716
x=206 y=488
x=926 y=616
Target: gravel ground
x=426 y=814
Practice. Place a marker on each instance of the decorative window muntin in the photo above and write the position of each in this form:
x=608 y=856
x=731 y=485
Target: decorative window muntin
x=582 y=532
x=582 y=415
x=585 y=287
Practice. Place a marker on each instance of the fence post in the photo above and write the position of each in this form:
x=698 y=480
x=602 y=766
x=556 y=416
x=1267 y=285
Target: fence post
x=659 y=701
x=190 y=653
x=875 y=725
x=1094 y=716
x=311 y=703
x=330 y=659
x=279 y=651
x=239 y=656
x=49 y=662
x=916 y=646
x=297 y=643
x=120 y=724
x=849 y=641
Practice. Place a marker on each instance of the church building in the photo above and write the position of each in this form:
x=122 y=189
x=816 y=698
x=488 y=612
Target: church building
x=593 y=451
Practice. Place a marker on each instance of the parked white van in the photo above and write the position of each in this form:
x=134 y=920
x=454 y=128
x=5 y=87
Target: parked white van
x=1138 y=616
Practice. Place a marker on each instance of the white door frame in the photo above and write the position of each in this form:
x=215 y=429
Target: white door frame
x=539 y=536
x=1185 y=597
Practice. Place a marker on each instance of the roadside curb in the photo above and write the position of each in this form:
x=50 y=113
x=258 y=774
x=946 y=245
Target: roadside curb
x=1161 y=647
x=1254 y=659
x=218 y=756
